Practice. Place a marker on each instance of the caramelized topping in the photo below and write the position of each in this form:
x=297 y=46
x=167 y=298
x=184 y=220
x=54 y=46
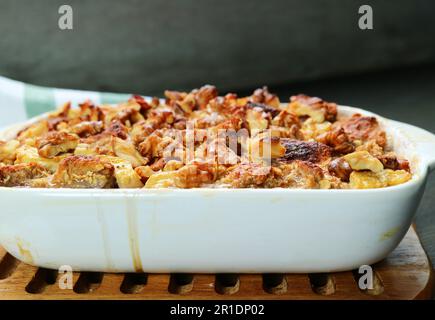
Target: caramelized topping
x=199 y=139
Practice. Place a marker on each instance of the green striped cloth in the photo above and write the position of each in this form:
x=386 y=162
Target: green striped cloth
x=20 y=101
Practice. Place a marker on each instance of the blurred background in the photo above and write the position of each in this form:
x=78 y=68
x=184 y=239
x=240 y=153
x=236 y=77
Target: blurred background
x=309 y=46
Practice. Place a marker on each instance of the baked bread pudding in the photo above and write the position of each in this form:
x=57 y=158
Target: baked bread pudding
x=199 y=139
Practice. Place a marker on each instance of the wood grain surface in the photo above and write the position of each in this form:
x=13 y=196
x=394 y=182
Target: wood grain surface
x=405 y=274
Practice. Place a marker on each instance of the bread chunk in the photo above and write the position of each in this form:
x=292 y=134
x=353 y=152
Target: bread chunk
x=84 y=172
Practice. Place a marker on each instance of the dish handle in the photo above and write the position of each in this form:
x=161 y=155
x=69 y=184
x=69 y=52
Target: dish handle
x=422 y=140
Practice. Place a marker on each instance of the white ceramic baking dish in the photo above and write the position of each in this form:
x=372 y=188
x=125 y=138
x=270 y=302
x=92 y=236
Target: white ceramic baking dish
x=217 y=230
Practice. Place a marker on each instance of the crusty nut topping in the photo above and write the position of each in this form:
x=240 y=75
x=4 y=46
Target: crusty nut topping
x=54 y=143
x=256 y=120
x=391 y=161
x=364 y=128
x=21 y=174
x=313 y=107
x=263 y=96
x=199 y=139
x=340 y=168
x=87 y=128
x=117 y=129
x=273 y=112
x=338 y=140
x=310 y=151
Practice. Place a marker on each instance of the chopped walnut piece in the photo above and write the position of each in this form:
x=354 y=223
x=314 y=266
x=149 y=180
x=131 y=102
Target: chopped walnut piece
x=363 y=128
x=87 y=128
x=196 y=99
x=273 y=112
x=159 y=118
x=144 y=106
x=340 y=168
x=155 y=146
x=262 y=95
x=187 y=104
x=117 y=129
x=204 y=95
x=286 y=119
x=158 y=164
x=55 y=143
x=144 y=172
x=88 y=111
x=127 y=113
x=391 y=161
x=313 y=107
x=194 y=175
x=338 y=140
x=190 y=176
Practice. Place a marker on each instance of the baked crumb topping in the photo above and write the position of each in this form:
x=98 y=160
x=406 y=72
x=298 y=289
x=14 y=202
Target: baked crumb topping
x=200 y=139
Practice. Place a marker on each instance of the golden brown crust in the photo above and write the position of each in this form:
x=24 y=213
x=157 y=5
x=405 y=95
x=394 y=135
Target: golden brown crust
x=328 y=109
x=271 y=111
x=263 y=96
x=363 y=128
x=247 y=175
x=84 y=172
x=21 y=174
x=309 y=151
x=188 y=102
x=305 y=175
x=338 y=140
x=199 y=139
x=54 y=143
x=87 y=128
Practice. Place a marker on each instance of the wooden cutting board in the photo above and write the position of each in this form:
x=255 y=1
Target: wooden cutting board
x=405 y=274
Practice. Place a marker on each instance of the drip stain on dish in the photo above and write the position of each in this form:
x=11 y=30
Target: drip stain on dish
x=389 y=233
x=131 y=214
x=24 y=251
x=276 y=199
x=104 y=235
